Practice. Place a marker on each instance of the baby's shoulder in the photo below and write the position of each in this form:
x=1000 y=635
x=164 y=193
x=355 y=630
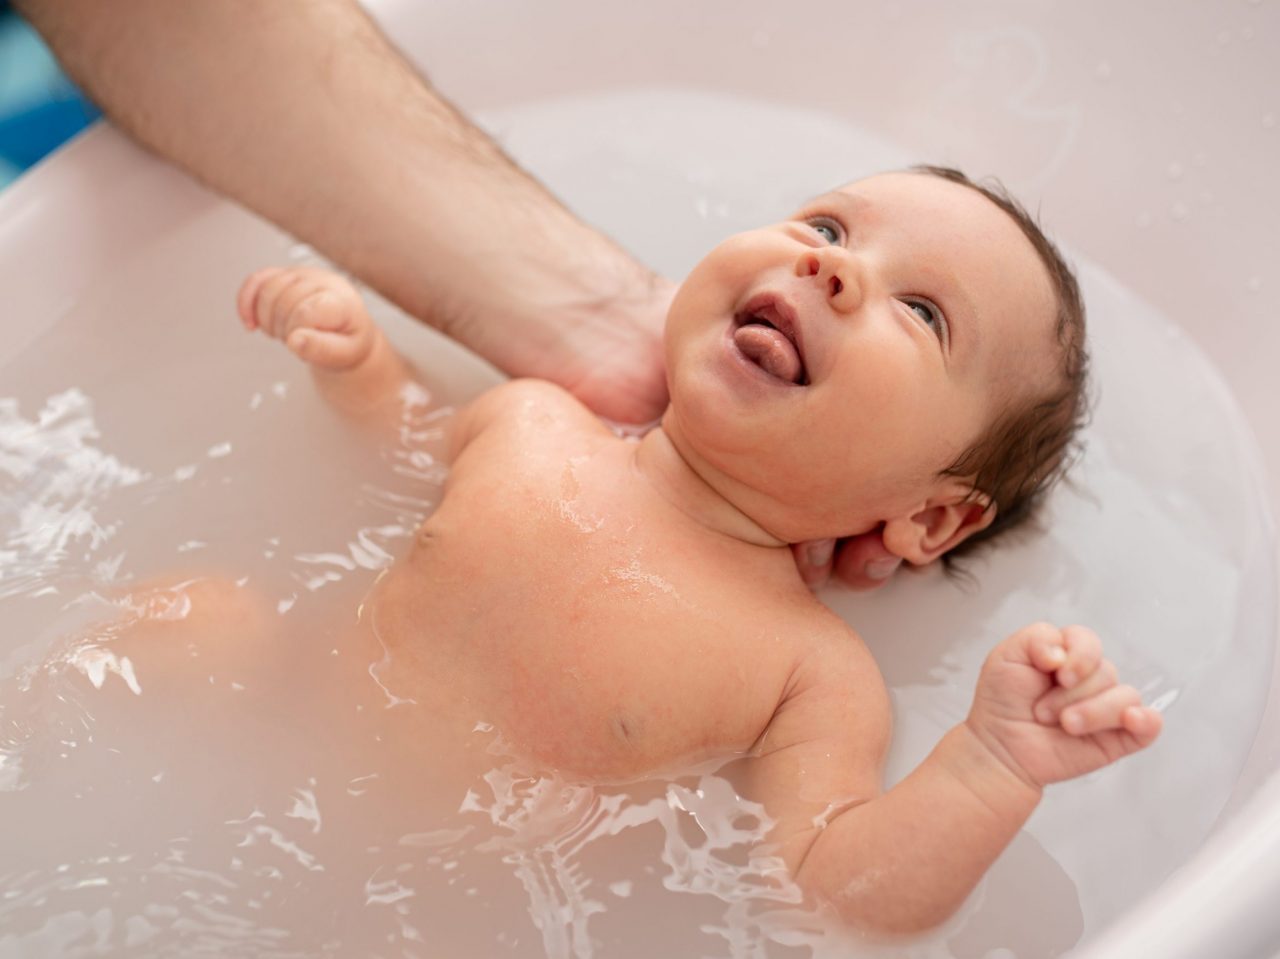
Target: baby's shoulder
x=833 y=652
x=835 y=693
x=537 y=401
x=531 y=391
x=527 y=408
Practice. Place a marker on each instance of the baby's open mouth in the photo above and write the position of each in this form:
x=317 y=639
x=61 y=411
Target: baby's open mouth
x=765 y=332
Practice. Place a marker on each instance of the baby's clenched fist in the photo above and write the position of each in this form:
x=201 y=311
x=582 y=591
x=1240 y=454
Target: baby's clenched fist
x=1051 y=706
x=318 y=315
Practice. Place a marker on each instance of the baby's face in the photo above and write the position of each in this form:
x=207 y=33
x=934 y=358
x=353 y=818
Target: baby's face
x=824 y=369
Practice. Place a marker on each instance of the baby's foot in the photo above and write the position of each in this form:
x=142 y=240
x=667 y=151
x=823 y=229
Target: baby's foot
x=317 y=314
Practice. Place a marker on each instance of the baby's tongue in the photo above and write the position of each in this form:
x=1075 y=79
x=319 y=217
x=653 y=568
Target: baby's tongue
x=770 y=350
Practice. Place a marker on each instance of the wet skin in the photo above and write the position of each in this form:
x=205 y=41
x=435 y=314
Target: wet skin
x=617 y=609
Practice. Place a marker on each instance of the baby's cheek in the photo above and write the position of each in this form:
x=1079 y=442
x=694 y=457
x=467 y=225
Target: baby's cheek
x=875 y=383
x=887 y=419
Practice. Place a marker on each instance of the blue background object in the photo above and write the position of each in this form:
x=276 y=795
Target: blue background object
x=39 y=107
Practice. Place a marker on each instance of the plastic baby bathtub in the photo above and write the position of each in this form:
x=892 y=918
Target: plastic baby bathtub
x=1146 y=133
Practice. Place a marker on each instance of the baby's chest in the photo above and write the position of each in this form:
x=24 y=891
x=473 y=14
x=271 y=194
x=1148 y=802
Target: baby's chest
x=597 y=639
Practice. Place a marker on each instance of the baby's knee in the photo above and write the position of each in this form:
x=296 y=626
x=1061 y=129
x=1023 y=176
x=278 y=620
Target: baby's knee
x=195 y=601
x=180 y=623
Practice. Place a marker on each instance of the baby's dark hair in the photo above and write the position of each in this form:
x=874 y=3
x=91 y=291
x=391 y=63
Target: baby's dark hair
x=1030 y=446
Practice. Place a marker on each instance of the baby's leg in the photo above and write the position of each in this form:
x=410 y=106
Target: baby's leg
x=176 y=636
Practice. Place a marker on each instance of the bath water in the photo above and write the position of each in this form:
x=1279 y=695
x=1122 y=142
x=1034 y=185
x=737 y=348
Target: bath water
x=219 y=798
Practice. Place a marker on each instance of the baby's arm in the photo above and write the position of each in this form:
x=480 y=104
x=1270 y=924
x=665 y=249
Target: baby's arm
x=1047 y=708
x=322 y=319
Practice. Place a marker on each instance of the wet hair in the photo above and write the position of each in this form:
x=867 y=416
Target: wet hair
x=1030 y=446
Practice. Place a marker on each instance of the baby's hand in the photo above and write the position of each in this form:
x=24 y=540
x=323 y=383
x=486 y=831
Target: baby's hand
x=1049 y=706
x=318 y=315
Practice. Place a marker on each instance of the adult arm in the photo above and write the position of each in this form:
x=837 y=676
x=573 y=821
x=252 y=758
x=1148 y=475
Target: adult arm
x=306 y=114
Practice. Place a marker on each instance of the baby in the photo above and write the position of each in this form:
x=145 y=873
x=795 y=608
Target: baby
x=903 y=354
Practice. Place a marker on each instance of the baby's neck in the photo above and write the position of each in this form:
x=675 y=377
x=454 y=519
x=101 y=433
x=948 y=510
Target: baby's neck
x=658 y=461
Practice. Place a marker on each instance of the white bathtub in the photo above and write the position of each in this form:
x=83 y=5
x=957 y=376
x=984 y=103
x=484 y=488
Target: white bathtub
x=1151 y=145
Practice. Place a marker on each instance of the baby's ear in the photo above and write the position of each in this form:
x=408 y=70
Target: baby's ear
x=938 y=525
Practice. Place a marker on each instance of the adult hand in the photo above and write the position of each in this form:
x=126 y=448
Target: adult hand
x=860 y=562
x=609 y=356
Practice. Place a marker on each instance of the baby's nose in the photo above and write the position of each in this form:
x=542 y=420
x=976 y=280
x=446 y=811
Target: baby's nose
x=834 y=271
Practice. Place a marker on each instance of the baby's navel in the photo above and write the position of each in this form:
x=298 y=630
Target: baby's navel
x=625 y=728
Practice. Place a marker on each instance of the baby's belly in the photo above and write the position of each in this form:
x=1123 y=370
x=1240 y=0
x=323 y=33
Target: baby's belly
x=591 y=662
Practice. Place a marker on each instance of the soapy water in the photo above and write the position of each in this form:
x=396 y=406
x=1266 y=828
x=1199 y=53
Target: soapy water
x=203 y=877
x=143 y=843
x=278 y=810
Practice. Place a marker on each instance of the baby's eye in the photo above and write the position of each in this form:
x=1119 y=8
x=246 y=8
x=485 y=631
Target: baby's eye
x=827 y=228
x=931 y=315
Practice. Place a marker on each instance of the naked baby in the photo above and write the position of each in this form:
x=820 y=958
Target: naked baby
x=899 y=355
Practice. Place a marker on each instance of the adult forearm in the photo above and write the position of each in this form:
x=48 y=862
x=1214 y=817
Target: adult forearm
x=905 y=861
x=303 y=112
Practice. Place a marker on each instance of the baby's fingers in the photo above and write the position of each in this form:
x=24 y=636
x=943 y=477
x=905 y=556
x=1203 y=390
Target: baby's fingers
x=247 y=297
x=270 y=294
x=326 y=349
x=1142 y=723
x=1042 y=644
x=1084 y=655
x=1139 y=727
x=1051 y=704
x=1102 y=712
